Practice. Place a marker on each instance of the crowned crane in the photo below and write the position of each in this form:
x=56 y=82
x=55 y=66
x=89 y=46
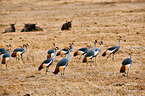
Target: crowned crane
x=48 y=62
x=97 y=50
x=6 y=57
x=64 y=50
x=51 y=52
x=126 y=64
x=82 y=51
x=112 y=50
x=19 y=51
x=90 y=54
x=3 y=50
x=62 y=64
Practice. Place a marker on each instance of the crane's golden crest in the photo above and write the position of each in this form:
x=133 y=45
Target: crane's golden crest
x=20 y=45
x=119 y=38
x=129 y=53
x=69 y=43
x=53 y=43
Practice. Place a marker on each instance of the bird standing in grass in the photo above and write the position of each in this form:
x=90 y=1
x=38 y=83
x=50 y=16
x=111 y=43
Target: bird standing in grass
x=62 y=64
x=90 y=54
x=82 y=51
x=64 y=51
x=6 y=57
x=48 y=62
x=3 y=50
x=112 y=50
x=97 y=50
x=51 y=52
x=19 y=51
x=126 y=64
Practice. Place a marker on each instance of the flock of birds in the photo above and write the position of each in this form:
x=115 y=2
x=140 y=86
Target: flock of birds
x=88 y=53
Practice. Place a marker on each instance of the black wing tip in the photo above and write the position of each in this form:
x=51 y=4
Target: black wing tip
x=75 y=54
x=122 y=69
x=84 y=60
x=104 y=54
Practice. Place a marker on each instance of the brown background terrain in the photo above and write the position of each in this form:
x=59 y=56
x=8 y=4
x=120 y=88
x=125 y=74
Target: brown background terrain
x=92 y=20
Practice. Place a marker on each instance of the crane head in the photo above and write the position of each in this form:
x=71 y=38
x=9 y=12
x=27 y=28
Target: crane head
x=8 y=49
x=8 y=45
x=21 y=46
x=70 y=43
x=119 y=38
x=53 y=43
x=95 y=41
x=129 y=53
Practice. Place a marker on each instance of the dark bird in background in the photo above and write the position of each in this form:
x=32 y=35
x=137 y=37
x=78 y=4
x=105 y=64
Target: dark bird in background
x=51 y=52
x=97 y=50
x=19 y=51
x=82 y=51
x=48 y=62
x=31 y=27
x=112 y=50
x=90 y=54
x=65 y=51
x=11 y=29
x=6 y=57
x=3 y=50
x=67 y=25
x=126 y=64
x=62 y=64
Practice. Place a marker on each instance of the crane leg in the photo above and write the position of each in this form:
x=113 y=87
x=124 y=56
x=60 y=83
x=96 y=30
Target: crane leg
x=46 y=71
x=18 y=57
x=108 y=57
x=21 y=57
x=95 y=62
x=90 y=63
x=79 y=58
x=127 y=72
x=86 y=66
x=6 y=66
x=113 y=56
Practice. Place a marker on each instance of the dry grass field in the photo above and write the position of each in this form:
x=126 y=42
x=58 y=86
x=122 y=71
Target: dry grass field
x=92 y=20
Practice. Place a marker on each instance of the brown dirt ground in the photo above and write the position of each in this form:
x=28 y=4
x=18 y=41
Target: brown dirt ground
x=92 y=19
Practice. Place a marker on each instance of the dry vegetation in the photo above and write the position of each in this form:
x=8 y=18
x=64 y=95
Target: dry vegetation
x=92 y=19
